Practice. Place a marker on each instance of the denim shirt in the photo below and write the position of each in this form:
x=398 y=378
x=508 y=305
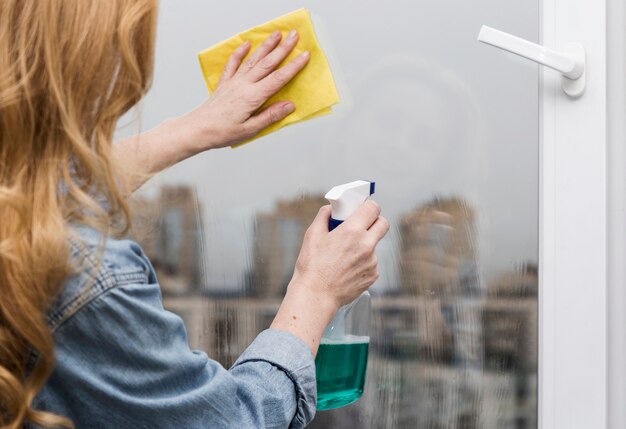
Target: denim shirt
x=122 y=361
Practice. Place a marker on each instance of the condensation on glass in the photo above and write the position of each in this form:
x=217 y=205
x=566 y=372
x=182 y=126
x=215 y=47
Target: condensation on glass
x=449 y=131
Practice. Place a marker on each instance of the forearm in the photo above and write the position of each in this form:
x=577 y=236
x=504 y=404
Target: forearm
x=305 y=313
x=141 y=157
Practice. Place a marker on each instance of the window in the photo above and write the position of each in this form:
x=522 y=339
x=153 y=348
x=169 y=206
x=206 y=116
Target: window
x=430 y=115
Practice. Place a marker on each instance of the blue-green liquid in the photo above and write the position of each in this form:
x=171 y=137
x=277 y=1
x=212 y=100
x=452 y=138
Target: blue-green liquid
x=340 y=373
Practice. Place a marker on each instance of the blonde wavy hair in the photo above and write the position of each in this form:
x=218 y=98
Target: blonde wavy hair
x=68 y=70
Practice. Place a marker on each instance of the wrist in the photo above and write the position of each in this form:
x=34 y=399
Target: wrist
x=305 y=312
x=168 y=144
x=189 y=134
x=313 y=289
x=201 y=131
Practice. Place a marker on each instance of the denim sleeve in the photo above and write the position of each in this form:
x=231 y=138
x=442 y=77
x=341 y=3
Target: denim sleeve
x=123 y=361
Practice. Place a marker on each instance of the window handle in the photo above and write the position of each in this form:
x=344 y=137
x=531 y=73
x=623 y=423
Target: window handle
x=570 y=63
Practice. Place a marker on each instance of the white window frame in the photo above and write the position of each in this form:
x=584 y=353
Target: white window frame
x=573 y=290
x=616 y=132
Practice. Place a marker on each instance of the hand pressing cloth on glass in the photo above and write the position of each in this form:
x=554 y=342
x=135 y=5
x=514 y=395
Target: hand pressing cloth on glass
x=313 y=90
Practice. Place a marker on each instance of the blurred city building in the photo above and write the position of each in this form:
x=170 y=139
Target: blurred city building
x=438 y=263
x=169 y=229
x=437 y=255
x=510 y=320
x=278 y=237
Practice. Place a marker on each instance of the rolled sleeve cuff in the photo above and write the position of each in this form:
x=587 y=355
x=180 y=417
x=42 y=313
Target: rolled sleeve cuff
x=292 y=356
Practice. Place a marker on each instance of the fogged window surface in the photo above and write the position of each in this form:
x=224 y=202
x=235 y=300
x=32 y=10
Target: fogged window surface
x=447 y=127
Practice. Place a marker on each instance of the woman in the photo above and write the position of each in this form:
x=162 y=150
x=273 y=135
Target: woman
x=84 y=339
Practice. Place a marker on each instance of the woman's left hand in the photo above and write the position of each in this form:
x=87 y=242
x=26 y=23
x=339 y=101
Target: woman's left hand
x=231 y=115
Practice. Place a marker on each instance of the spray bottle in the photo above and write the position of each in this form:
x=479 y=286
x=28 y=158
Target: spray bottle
x=341 y=360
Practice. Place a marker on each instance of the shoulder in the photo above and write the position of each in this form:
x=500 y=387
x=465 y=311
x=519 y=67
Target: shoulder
x=99 y=265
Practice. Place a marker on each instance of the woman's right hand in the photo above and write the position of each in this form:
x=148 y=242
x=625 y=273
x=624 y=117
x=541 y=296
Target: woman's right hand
x=342 y=264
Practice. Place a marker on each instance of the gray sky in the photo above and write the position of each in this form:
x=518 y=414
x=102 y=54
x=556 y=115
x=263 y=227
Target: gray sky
x=426 y=110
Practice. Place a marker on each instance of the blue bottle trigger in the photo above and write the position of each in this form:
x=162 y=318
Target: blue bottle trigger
x=333 y=223
x=345 y=199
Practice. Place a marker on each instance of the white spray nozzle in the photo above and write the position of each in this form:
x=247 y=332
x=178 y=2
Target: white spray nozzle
x=345 y=199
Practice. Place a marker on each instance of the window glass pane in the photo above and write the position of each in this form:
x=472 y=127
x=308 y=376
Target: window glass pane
x=447 y=127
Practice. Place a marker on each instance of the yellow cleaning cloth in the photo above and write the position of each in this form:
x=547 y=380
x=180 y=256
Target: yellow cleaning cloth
x=313 y=90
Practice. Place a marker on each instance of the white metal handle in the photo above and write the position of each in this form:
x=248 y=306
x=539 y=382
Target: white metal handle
x=570 y=63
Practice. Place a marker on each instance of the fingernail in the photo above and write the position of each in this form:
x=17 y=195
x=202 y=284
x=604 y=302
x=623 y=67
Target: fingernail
x=305 y=54
x=275 y=34
x=292 y=34
x=289 y=107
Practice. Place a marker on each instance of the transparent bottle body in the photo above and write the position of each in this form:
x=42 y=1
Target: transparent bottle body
x=341 y=361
